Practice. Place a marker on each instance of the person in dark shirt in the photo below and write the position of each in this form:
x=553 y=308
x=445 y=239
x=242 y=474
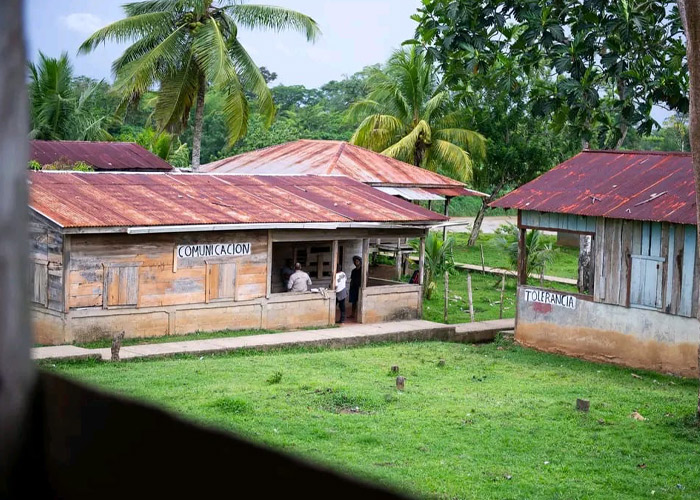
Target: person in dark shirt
x=355 y=284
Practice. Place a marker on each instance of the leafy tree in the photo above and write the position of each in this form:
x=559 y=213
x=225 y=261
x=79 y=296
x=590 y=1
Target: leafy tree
x=439 y=258
x=411 y=116
x=60 y=109
x=185 y=47
x=609 y=61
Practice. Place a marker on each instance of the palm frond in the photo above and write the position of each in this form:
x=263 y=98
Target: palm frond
x=152 y=6
x=236 y=113
x=137 y=76
x=435 y=104
x=273 y=18
x=361 y=109
x=176 y=97
x=473 y=142
x=211 y=53
x=377 y=132
x=405 y=148
x=251 y=79
x=453 y=159
x=129 y=28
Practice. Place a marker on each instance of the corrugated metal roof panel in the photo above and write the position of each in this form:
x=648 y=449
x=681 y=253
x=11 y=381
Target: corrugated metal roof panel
x=332 y=157
x=457 y=191
x=112 y=156
x=636 y=185
x=410 y=193
x=74 y=199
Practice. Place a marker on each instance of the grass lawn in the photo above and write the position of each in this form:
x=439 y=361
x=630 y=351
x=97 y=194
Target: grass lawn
x=497 y=421
x=564 y=264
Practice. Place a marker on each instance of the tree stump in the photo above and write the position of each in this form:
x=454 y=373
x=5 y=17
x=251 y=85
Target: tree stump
x=116 y=345
x=395 y=369
x=400 y=383
x=583 y=405
x=441 y=362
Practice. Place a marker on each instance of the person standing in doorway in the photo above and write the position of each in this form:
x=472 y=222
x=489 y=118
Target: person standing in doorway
x=355 y=284
x=341 y=291
x=299 y=281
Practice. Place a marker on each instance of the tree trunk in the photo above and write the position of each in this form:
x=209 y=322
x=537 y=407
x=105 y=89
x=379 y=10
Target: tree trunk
x=476 y=226
x=198 y=122
x=585 y=271
x=623 y=131
x=690 y=16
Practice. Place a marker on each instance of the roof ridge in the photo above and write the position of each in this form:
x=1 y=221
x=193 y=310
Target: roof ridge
x=637 y=152
x=336 y=157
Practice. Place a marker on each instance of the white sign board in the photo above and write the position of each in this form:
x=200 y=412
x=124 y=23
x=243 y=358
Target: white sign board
x=544 y=297
x=212 y=250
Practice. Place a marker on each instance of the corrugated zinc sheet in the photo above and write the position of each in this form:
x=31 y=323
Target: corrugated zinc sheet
x=636 y=185
x=456 y=191
x=125 y=200
x=113 y=156
x=412 y=194
x=331 y=158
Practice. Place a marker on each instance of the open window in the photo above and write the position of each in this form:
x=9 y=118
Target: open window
x=390 y=262
x=315 y=258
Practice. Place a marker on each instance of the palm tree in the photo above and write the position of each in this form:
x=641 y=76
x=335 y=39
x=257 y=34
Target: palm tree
x=439 y=257
x=56 y=111
x=411 y=116
x=185 y=46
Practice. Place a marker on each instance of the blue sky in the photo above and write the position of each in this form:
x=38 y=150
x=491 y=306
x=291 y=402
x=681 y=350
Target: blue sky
x=356 y=33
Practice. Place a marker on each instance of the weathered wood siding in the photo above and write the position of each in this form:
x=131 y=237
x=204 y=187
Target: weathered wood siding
x=139 y=271
x=46 y=249
x=646 y=264
x=557 y=222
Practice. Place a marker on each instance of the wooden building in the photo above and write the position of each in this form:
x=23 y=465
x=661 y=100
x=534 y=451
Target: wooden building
x=639 y=209
x=163 y=254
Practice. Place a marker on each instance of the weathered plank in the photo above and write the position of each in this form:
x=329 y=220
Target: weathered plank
x=600 y=261
x=686 y=306
x=655 y=241
x=627 y=232
x=665 y=232
x=646 y=238
x=670 y=268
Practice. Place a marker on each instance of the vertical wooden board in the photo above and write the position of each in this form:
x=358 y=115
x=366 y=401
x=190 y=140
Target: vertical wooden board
x=655 y=243
x=212 y=281
x=686 y=303
x=226 y=280
x=636 y=281
x=637 y=238
x=625 y=251
x=665 y=229
x=649 y=283
x=128 y=285
x=112 y=286
x=591 y=224
x=696 y=280
x=40 y=282
x=545 y=219
x=670 y=267
x=554 y=220
x=572 y=222
x=677 y=263
x=599 y=257
x=613 y=236
x=646 y=238
x=529 y=218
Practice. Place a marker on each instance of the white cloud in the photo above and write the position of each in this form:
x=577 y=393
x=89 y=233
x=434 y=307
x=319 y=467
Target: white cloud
x=82 y=22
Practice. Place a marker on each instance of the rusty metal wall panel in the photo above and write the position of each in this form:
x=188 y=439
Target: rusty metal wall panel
x=108 y=156
x=74 y=199
x=636 y=185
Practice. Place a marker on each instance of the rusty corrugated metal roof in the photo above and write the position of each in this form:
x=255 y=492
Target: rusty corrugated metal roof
x=637 y=185
x=332 y=157
x=112 y=156
x=74 y=200
x=456 y=191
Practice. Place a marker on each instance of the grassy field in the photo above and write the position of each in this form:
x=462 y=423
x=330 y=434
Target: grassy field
x=497 y=421
x=564 y=265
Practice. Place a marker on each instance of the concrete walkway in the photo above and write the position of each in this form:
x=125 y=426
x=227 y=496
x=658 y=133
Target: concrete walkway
x=348 y=335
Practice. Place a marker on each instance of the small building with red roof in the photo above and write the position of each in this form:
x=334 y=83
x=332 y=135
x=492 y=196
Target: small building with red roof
x=639 y=209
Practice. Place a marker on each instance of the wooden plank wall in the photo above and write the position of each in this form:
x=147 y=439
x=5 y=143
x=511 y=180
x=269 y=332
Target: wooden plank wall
x=558 y=222
x=670 y=244
x=146 y=261
x=46 y=252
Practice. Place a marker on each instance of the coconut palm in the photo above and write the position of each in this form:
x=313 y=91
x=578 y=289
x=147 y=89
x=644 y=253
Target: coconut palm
x=185 y=46
x=439 y=257
x=411 y=116
x=57 y=111
x=539 y=253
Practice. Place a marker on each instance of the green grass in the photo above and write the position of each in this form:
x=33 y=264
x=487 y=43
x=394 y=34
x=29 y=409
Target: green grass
x=497 y=421
x=486 y=294
x=564 y=265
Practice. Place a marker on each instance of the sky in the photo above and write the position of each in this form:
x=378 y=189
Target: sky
x=356 y=33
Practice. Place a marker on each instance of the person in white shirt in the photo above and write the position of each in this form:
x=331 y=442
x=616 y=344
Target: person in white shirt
x=299 y=281
x=341 y=291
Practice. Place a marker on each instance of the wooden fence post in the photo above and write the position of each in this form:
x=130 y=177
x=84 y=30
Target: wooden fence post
x=503 y=288
x=471 y=301
x=447 y=291
x=483 y=265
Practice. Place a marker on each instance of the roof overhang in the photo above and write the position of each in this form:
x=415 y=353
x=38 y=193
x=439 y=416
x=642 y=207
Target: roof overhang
x=411 y=194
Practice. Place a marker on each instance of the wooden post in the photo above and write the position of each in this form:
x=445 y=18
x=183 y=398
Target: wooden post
x=447 y=214
x=334 y=263
x=363 y=286
x=447 y=291
x=430 y=204
x=268 y=290
x=469 y=294
x=483 y=265
x=400 y=383
x=522 y=257
x=395 y=369
x=17 y=373
x=542 y=277
x=421 y=270
x=503 y=289
x=397 y=258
